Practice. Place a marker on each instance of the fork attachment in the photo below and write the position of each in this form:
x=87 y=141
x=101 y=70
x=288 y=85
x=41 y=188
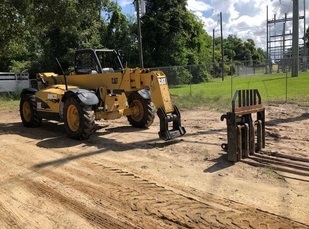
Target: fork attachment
x=176 y=131
x=244 y=135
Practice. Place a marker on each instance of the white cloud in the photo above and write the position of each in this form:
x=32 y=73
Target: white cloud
x=124 y=3
x=207 y=21
x=245 y=18
x=198 y=5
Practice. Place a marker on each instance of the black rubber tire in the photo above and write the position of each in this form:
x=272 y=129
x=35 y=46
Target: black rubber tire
x=79 y=119
x=28 y=113
x=146 y=111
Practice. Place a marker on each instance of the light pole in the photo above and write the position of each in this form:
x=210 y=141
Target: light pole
x=222 y=50
x=295 y=41
x=141 y=59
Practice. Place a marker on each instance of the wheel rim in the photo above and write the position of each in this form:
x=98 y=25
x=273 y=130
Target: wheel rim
x=27 y=111
x=73 y=118
x=139 y=111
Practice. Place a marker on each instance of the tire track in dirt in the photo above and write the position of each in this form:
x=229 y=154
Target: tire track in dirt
x=178 y=208
x=18 y=175
x=9 y=218
x=99 y=194
x=95 y=217
x=130 y=194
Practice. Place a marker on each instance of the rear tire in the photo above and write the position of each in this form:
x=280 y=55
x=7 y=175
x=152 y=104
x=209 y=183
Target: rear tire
x=28 y=112
x=78 y=119
x=146 y=111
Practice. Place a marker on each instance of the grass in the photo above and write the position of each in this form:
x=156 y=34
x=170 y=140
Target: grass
x=276 y=88
x=270 y=172
x=9 y=101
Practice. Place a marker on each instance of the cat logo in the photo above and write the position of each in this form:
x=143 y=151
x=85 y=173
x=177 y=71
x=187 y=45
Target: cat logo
x=114 y=80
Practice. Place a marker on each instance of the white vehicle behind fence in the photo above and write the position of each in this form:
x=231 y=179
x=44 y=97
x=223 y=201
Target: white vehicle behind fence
x=11 y=82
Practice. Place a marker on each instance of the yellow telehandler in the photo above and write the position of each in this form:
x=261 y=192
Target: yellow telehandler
x=101 y=88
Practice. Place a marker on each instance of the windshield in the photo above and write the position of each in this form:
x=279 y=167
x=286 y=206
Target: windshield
x=109 y=60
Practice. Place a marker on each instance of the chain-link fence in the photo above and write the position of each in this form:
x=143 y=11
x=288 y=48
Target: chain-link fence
x=205 y=72
x=190 y=74
x=231 y=71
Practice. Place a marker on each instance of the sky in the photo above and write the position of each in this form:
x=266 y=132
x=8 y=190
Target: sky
x=244 y=18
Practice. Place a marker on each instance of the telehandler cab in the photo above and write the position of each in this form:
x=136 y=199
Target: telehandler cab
x=101 y=88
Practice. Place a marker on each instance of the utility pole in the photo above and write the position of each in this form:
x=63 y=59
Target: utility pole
x=213 y=47
x=222 y=51
x=305 y=40
x=295 y=41
x=283 y=49
x=141 y=59
x=267 y=44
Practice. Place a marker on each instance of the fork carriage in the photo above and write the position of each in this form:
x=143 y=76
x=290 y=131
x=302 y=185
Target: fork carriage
x=245 y=136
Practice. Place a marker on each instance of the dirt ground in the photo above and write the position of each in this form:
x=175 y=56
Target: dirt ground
x=127 y=178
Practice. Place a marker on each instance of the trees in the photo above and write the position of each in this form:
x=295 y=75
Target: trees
x=14 y=31
x=37 y=31
x=121 y=34
x=236 y=49
x=34 y=32
x=173 y=36
x=237 y=52
x=63 y=26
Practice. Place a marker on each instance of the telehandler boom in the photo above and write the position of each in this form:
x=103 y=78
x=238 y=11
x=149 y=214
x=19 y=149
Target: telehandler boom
x=101 y=88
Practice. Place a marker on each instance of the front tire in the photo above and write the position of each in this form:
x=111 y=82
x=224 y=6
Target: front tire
x=144 y=113
x=28 y=112
x=78 y=119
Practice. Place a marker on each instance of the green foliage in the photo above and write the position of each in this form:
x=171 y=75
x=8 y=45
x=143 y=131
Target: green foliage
x=117 y=34
x=19 y=66
x=198 y=100
x=183 y=76
x=35 y=32
x=10 y=96
x=236 y=50
x=200 y=73
x=191 y=74
x=13 y=32
x=173 y=36
x=121 y=34
x=9 y=101
x=177 y=75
